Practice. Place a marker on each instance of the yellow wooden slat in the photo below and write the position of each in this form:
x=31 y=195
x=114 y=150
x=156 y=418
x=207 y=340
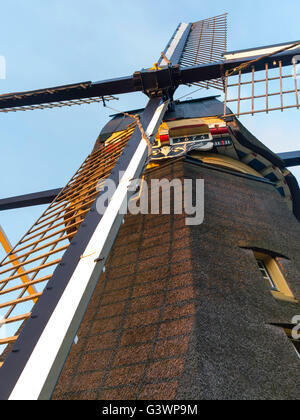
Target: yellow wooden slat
x=15 y=318
x=20 y=300
x=8 y=340
x=21 y=286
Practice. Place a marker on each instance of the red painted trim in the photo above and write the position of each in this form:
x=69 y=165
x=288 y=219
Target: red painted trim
x=220 y=130
x=165 y=138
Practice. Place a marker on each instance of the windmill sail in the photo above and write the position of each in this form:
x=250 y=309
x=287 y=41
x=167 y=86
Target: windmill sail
x=198 y=43
x=54 y=97
x=64 y=254
x=267 y=81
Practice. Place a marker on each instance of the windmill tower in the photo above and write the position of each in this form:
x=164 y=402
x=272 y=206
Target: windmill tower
x=147 y=306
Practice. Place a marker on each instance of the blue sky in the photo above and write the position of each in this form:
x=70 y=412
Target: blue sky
x=48 y=43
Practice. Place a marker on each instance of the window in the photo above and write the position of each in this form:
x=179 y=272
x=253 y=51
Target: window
x=263 y=269
x=272 y=273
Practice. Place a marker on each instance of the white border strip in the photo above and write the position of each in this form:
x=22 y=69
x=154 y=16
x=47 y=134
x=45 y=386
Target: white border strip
x=36 y=371
x=258 y=52
x=174 y=43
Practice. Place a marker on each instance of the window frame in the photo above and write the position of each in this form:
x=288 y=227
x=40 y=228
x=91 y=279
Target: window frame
x=266 y=275
x=281 y=290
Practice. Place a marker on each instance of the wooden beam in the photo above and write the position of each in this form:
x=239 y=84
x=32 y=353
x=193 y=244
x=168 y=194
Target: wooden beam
x=291 y=158
x=28 y=200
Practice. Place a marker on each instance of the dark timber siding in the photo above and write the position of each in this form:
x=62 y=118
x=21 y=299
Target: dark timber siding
x=182 y=312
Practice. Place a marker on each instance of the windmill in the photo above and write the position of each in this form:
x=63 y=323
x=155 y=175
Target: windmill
x=49 y=277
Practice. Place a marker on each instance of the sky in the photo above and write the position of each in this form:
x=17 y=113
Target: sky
x=53 y=42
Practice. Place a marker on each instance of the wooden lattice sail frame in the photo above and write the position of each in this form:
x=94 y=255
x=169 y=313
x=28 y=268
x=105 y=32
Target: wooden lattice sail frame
x=38 y=253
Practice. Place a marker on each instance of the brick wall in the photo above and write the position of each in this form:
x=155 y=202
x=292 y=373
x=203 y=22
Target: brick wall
x=182 y=312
